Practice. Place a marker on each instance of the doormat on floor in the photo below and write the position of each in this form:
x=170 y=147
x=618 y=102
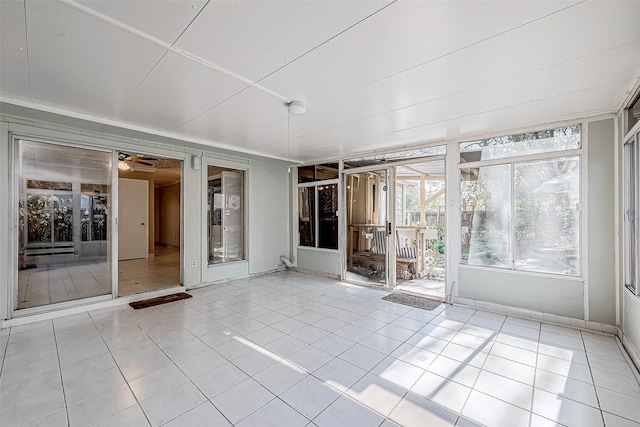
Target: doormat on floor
x=413 y=301
x=159 y=300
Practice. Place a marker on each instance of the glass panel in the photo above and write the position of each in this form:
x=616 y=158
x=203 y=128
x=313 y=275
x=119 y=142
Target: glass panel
x=226 y=215
x=633 y=114
x=521 y=144
x=420 y=202
x=306 y=173
x=57 y=260
x=93 y=213
x=366 y=227
x=546 y=217
x=327 y=171
x=632 y=176
x=377 y=158
x=306 y=216
x=328 y=221
x=486 y=215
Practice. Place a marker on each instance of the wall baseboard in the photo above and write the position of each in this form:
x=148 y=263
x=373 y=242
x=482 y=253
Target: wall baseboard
x=632 y=353
x=540 y=316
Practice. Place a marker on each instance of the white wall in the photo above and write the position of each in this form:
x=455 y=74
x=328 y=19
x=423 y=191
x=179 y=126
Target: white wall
x=269 y=213
x=601 y=225
x=268 y=187
x=547 y=294
x=321 y=261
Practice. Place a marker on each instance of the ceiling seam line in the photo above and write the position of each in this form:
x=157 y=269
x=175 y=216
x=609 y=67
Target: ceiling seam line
x=473 y=88
x=326 y=41
x=189 y=24
x=138 y=86
x=167 y=46
x=280 y=68
x=26 y=40
x=468 y=46
x=209 y=109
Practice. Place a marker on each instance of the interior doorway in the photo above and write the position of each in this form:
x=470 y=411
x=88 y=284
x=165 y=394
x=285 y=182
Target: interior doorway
x=149 y=223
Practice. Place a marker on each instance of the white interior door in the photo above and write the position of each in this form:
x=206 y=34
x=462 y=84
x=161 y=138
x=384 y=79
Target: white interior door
x=133 y=219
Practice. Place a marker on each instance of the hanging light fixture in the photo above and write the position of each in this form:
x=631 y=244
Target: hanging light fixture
x=296 y=108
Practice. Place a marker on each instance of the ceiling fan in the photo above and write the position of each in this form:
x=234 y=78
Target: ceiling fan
x=126 y=157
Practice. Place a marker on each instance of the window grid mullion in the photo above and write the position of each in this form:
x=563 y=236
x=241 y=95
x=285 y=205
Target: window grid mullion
x=512 y=228
x=635 y=176
x=316 y=219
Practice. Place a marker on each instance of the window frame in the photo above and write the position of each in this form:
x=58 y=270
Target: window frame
x=208 y=162
x=631 y=235
x=512 y=161
x=316 y=214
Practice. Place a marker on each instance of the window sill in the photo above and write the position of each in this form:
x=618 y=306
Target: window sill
x=523 y=273
x=311 y=248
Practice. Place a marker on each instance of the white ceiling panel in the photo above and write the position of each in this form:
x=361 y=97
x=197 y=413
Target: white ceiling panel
x=255 y=38
x=517 y=52
x=164 y=20
x=525 y=93
x=374 y=75
x=509 y=119
x=175 y=92
x=83 y=64
x=14 y=70
x=250 y=119
x=405 y=35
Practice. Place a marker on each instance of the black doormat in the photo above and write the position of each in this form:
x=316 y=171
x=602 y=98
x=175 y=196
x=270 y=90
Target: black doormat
x=159 y=300
x=413 y=301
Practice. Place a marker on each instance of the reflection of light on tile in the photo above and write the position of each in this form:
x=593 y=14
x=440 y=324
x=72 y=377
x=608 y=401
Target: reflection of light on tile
x=269 y=354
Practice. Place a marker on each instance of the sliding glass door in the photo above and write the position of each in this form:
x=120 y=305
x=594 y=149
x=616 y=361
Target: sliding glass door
x=64 y=236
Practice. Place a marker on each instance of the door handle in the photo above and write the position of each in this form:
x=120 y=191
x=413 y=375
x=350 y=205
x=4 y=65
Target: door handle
x=388 y=228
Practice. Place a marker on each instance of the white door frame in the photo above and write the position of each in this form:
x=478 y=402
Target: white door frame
x=450 y=212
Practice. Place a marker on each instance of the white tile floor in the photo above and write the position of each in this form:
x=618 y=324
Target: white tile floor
x=294 y=350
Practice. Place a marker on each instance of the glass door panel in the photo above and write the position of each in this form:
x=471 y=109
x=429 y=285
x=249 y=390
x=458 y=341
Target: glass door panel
x=367 y=227
x=61 y=257
x=420 y=228
x=226 y=215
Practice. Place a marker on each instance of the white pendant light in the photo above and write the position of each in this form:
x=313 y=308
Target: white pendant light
x=296 y=108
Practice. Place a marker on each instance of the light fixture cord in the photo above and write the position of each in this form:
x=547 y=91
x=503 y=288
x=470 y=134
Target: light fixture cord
x=288 y=135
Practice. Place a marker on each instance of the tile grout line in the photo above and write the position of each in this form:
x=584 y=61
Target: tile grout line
x=121 y=373
x=64 y=394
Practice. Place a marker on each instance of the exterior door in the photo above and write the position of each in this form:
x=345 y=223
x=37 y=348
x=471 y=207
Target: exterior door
x=420 y=228
x=133 y=219
x=368 y=227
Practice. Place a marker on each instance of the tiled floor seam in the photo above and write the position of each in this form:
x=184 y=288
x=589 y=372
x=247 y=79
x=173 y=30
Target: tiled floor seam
x=121 y=373
x=64 y=395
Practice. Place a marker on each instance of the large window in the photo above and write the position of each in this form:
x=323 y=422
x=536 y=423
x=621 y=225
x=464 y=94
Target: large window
x=225 y=214
x=521 y=203
x=318 y=206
